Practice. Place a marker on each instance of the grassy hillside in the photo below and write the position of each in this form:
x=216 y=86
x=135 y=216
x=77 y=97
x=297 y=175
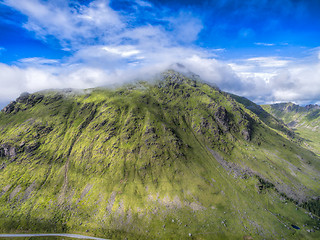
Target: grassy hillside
x=305 y=121
x=267 y=118
x=175 y=159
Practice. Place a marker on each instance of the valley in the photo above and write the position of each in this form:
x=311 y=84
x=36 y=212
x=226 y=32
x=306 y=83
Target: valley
x=173 y=158
x=303 y=120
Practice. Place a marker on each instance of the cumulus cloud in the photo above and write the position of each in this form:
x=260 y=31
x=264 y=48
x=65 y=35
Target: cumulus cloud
x=17 y=80
x=38 y=61
x=143 y=3
x=185 y=27
x=79 y=25
x=71 y=25
x=275 y=79
x=257 y=79
x=264 y=44
x=104 y=44
x=108 y=47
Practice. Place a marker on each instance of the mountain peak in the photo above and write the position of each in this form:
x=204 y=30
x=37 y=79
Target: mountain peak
x=156 y=161
x=182 y=69
x=292 y=107
x=312 y=107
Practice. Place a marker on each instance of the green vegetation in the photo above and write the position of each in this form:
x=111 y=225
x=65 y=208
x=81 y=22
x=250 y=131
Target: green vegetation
x=313 y=206
x=264 y=116
x=175 y=159
x=305 y=121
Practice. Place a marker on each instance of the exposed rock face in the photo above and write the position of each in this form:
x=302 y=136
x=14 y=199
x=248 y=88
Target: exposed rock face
x=33 y=99
x=221 y=116
x=2 y=152
x=52 y=99
x=291 y=107
x=247 y=131
x=3 y=166
x=23 y=98
x=312 y=107
x=231 y=167
x=246 y=134
x=32 y=147
x=23 y=102
x=9 y=108
x=7 y=151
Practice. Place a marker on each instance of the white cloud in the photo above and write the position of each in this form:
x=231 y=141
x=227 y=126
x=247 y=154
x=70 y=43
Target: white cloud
x=71 y=26
x=104 y=45
x=280 y=79
x=38 y=61
x=267 y=62
x=286 y=81
x=264 y=44
x=105 y=49
x=16 y=80
x=143 y=3
x=12 y=81
x=185 y=27
x=99 y=24
x=123 y=51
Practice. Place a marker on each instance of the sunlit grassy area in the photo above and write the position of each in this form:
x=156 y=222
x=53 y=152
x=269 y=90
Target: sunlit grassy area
x=303 y=121
x=175 y=159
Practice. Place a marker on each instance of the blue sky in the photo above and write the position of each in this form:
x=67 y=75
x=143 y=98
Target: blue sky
x=266 y=50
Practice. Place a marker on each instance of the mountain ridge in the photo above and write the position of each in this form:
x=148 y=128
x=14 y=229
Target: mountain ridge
x=172 y=159
x=304 y=120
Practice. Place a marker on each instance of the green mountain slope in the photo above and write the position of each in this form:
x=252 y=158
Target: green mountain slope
x=175 y=159
x=266 y=117
x=303 y=120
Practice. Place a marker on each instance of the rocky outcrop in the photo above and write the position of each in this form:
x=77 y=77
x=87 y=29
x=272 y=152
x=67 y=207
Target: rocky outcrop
x=231 y=167
x=23 y=102
x=9 y=108
x=31 y=147
x=2 y=152
x=247 y=123
x=32 y=99
x=246 y=133
x=23 y=98
x=221 y=117
x=7 y=150
x=312 y=107
x=51 y=99
x=288 y=107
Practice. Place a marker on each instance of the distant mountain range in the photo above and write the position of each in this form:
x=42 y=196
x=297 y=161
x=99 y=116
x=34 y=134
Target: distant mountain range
x=173 y=158
x=304 y=120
